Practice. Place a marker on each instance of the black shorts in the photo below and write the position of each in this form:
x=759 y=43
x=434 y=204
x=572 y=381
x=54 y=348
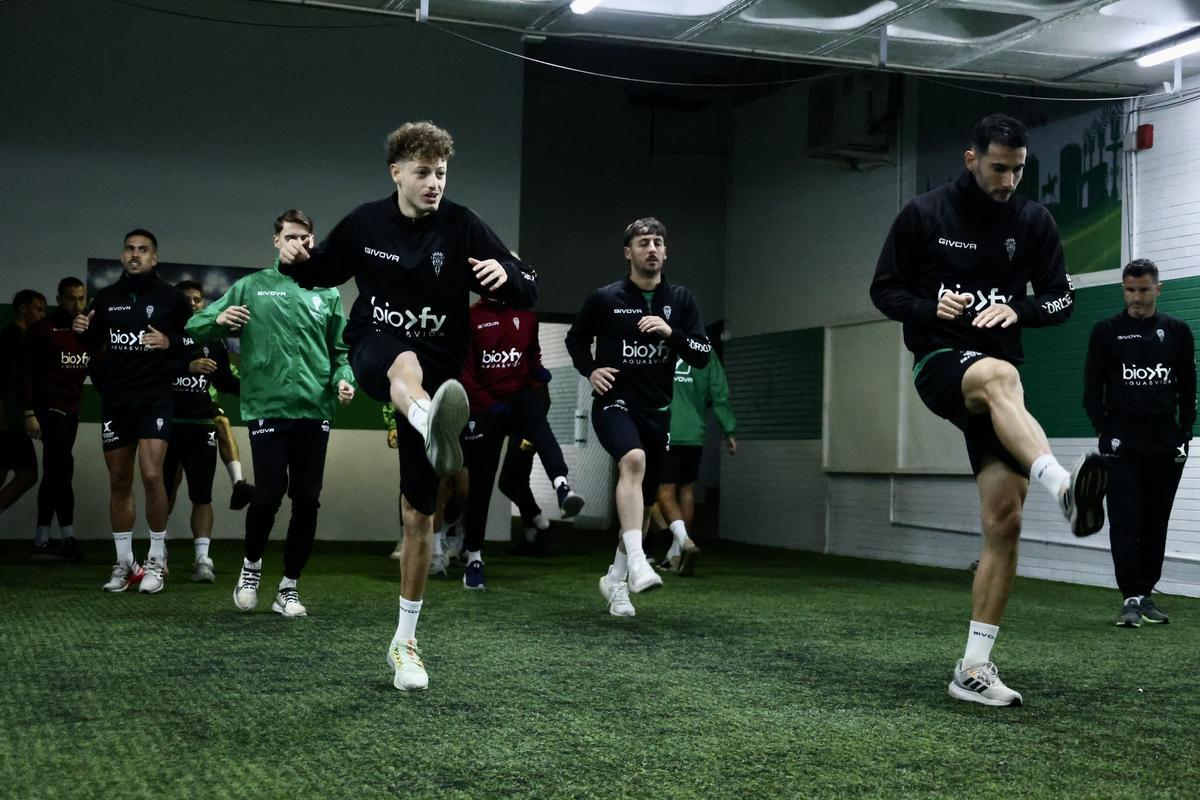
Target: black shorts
x=938 y=378
x=16 y=453
x=621 y=428
x=370 y=358
x=123 y=424
x=683 y=464
x=195 y=448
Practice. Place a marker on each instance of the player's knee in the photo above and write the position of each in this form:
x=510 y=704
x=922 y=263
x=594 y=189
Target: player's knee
x=306 y=504
x=1003 y=523
x=1001 y=379
x=406 y=369
x=633 y=463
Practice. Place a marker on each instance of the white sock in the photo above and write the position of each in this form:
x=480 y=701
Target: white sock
x=540 y=522
x=158 y=545
x=531 y=534
x=201 y=546
x=474 y=555
x=980 y=639
x=124 y=543
x=235 y=471
x=561 y=480
x=1137 y=598
x=439 y=543
x=418 y=416
x=407 y=627
x=41 y=534
x=66 y=531
x=679 y=531
x=620 y=567
x=633 y=544
x=252 y=564
x=287 y=583
x=675 y=550
x=1050 y=474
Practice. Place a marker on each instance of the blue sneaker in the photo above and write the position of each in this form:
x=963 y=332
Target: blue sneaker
x=473 y=577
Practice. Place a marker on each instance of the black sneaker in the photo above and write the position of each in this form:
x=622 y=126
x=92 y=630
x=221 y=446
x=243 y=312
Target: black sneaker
x=1152 y=613
x=570 y=503
x=71 y=552
x=1131 y=615
x=243 y=493
x=46 y=551
x=1083 y=501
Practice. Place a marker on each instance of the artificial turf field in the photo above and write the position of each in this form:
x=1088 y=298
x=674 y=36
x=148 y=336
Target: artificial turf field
x=769 y=674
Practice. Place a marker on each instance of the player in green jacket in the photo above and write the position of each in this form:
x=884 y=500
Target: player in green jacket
x=294 y=372
x=695 y=391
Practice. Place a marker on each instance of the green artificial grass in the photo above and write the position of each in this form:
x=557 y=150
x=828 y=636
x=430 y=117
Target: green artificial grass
x=769 y=674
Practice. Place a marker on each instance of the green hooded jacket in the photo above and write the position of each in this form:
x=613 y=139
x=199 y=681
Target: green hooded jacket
x=694 y=391
x=292 y=353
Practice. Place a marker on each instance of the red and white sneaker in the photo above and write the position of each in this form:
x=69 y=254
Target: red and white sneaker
x=123 y=576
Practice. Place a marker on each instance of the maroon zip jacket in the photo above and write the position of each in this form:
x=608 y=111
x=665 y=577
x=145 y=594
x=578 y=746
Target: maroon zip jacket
x=503 y=354
x=53 y=365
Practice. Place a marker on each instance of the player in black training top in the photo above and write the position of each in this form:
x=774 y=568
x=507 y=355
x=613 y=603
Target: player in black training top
x=415 y=258
x=640 y=325
x=954 y=270
x=1140 y=393
x=134 y=330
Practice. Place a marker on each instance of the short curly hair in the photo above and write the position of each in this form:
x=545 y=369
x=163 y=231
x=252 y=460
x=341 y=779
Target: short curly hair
x=422 y=140
x=645 y=226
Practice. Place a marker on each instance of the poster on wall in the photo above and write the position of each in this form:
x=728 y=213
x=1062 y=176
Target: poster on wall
x=1073 y=166
x=214 y=281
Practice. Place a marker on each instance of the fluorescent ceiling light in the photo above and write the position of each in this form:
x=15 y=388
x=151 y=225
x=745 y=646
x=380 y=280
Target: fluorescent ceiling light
x=1162 y=56
x=584 y=6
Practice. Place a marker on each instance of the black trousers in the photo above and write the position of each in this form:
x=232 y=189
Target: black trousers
x=56 y=496
x=1141 y=491
x=526 y=419
x=289 y=457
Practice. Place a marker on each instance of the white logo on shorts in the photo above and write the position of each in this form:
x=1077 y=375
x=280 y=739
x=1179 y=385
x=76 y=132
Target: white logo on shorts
x=159 y=423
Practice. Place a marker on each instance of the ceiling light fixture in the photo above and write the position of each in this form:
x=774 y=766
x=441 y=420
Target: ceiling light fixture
x=1165 y=54
x=583 y=6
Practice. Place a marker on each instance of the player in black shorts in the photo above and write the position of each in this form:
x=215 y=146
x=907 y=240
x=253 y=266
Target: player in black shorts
x=192 y=451
x=954 y=270
x=16 y=448
x=639 y=325
x=415 y=258
x=134 y=331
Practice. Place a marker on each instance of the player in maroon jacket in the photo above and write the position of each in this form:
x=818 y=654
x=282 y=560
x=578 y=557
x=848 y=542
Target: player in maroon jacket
x=504 y=364
x=52 y=370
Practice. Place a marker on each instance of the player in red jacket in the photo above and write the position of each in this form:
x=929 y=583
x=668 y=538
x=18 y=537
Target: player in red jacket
x=503 y=369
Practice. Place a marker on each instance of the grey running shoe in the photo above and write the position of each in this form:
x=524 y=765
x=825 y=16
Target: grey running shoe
x=202 y=570
x=687 y=561
x=1152 y=613
x=287 y=602
x=1131 y=615
x=982 y=685
x=1083 y=501
x=155 y=576
x=448 y=413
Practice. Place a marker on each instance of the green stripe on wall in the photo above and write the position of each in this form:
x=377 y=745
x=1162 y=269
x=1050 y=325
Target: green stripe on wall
x=1054 y=357
x=776 y=384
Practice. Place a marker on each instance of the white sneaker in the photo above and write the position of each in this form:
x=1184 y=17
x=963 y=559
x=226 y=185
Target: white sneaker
x=287 y=602
x=617 y=595
x=245 y=593
x=405 y=659
x=642 y=577
x=202 y=570
x=449 y=411
x=438 y=564
x=1083 y=501
x=396 y=554
x=982 y=684
x=154 y=579
x=123 y=576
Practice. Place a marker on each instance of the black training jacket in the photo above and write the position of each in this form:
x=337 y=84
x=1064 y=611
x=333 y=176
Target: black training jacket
x=122 y=368
x=645 y=361
x=193 y=400
x=956 y=238
x=413 y=277
x=1139 y=382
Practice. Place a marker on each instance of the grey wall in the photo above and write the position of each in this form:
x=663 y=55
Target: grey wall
x=594 y=162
